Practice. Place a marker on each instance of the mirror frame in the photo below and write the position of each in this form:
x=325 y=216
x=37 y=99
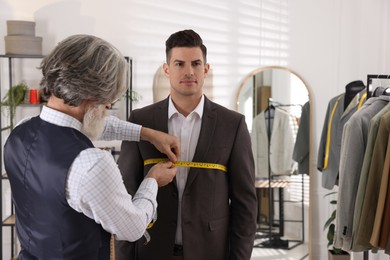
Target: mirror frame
x=241 y=86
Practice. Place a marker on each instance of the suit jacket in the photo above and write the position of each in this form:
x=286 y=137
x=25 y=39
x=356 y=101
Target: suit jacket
x=381 y=229
x=301 y=152
x=218 y=209
x=281 y=144
x=370 y=201
x=360 y=243
x=341 y=116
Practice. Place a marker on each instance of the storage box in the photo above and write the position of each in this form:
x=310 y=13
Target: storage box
x=23 y=45
x=26 y=28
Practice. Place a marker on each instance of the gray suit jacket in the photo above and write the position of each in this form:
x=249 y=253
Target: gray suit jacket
x=331 y=172
x=371 y=196
x=301 y=152
x=218 y=209
x=360 y=242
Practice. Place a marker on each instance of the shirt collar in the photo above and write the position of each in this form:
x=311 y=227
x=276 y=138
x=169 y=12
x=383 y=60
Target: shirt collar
x=58 y=118
x=198 y=109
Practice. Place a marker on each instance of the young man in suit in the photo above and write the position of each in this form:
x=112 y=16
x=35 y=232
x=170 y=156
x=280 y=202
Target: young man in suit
x=204 y=213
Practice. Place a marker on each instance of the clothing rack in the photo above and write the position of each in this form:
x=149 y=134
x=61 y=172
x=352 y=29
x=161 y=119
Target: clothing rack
x=274 y=239
x=371 y=78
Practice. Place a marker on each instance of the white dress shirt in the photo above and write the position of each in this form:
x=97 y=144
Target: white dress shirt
x=187 y=129
x=95 y=187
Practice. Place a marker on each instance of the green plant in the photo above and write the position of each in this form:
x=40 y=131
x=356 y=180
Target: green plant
x=15 y=95
x=134 y=96
x=331 y=227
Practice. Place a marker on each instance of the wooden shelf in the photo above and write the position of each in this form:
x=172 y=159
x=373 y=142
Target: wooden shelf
x=273 y=184
x=10 y=221
x=4 y=176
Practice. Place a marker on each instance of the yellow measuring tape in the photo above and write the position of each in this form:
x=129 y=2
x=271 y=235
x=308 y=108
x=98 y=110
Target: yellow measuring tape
x=362 y=99
x=189 y=164
x=327 y=146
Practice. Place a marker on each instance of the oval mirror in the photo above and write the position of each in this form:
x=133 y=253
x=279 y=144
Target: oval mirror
x=276 y=105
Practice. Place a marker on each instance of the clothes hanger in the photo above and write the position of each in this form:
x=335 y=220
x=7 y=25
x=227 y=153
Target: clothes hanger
x=378 y=91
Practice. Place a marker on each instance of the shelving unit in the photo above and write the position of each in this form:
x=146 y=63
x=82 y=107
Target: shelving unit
x=275 y=228
x=8 y=221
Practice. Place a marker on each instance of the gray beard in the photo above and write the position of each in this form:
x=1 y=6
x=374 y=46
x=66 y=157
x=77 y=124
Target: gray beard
x=94 y=122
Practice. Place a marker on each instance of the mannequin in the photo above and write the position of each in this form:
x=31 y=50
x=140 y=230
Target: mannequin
x=351 y=89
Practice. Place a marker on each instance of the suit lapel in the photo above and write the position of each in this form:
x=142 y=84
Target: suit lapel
x=206 y=134
x=160 y=119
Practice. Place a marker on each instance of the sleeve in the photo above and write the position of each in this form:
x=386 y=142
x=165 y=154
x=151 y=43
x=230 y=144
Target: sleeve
x=116 y=129
x=96 y=189
x=254 y=142
x=322 y=144
x=243 y=195
x=132 y=171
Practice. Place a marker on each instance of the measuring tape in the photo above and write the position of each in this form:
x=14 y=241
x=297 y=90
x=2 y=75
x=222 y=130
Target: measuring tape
x=189 y=164
x=183 y=164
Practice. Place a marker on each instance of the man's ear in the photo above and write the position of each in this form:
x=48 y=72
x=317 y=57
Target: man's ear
x=206 y=69
x=166 y=70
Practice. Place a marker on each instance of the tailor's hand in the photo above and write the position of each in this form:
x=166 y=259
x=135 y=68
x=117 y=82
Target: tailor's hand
x=165 y=143
x=163 y=173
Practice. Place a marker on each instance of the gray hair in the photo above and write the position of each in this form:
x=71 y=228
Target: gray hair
x=84 y=67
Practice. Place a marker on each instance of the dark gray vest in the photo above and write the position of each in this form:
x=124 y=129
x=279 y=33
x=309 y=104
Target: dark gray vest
x=37 y=157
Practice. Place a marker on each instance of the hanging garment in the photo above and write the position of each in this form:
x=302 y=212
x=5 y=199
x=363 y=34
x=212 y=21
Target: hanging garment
x=353 y=145
x=280 y=147
x=371 y=193
x=358 y=243
x=330 y=142
x=381 y=228
x=301 y=150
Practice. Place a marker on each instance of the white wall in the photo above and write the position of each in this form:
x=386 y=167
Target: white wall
x=330 y=43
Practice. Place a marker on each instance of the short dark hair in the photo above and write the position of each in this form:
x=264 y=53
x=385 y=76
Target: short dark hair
x=185 y=38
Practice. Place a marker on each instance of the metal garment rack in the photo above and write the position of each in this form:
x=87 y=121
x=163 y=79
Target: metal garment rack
x=129 y=91
x=9 y=221
x=371 y=78
x=274 y=239
x=128 y=97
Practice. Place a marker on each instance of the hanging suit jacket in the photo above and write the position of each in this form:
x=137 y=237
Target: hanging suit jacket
x=281 y=144
x=384 y=241
x=353 y=147
x=381 y=228
x=370 y=201
x=218 y=209
x=360 y=243
x=301 y=152
x=330 y=172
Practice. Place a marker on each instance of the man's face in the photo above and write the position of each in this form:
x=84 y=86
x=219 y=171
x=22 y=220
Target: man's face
x=186 y=71
x=94 y=121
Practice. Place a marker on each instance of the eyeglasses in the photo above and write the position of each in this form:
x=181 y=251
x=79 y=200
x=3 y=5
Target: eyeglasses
x=113 y=102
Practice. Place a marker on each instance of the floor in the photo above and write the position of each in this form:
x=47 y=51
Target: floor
x=296 y=252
